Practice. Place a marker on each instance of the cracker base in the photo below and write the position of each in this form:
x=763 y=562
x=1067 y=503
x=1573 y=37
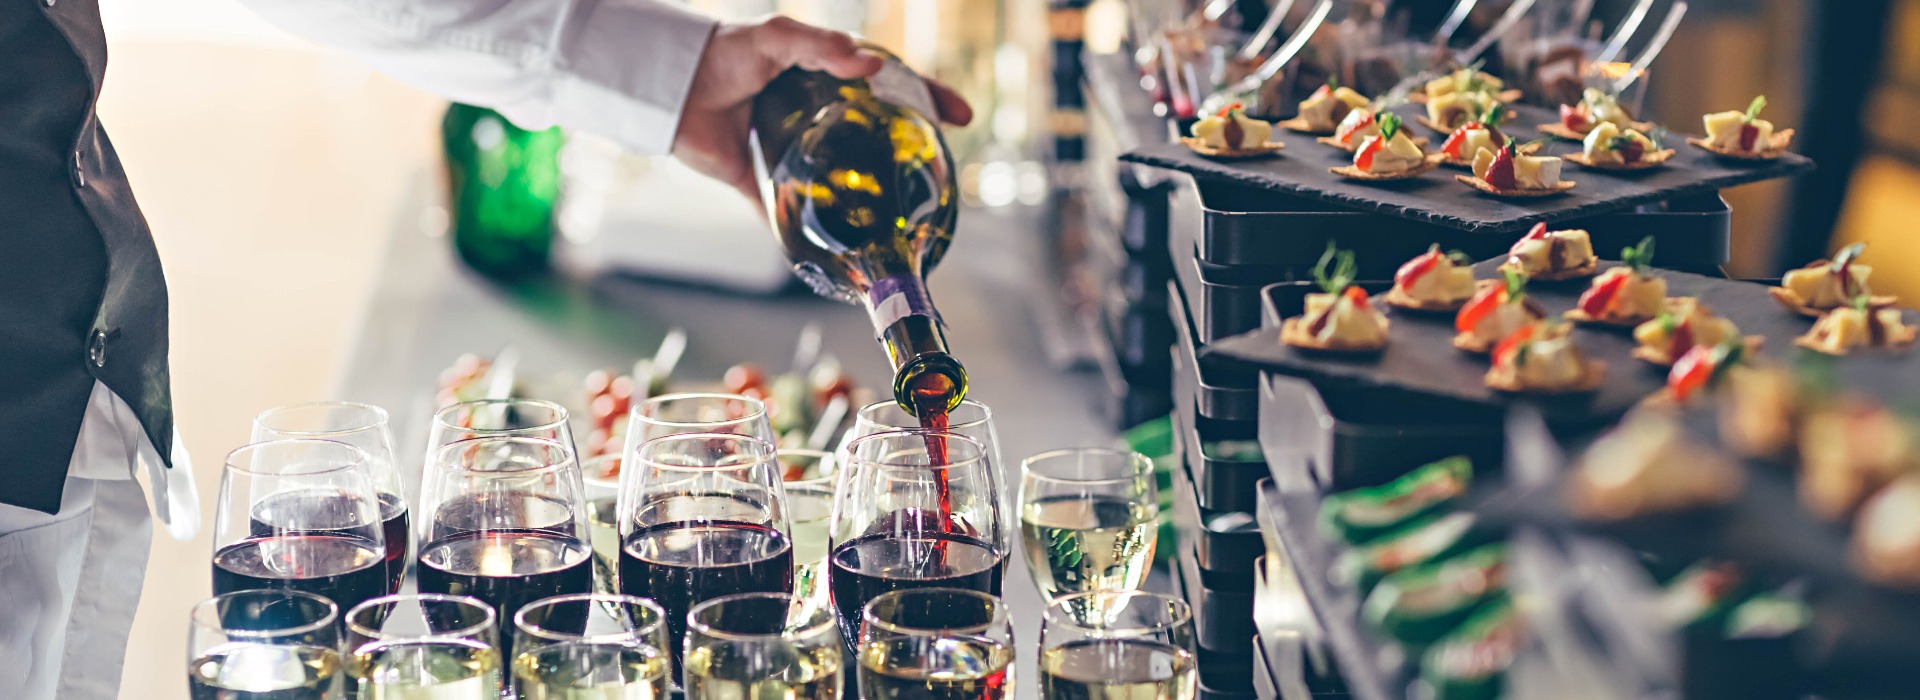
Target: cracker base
x=1482 y=185
x=1200 y=146
x=1293 y=332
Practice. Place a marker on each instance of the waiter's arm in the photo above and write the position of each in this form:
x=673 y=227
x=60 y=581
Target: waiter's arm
x=654 y=76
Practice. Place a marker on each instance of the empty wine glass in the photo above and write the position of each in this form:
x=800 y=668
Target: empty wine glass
x=299 y=514
x=762 y=645
x=1088 y=519
x=504 y=521
x=364 y=426
x=1117 y=644
x=263 y=644
x=499 y=418
x=946 y=643
x=701 y=516
x=428 y=645
x=907 y=520
x=621 y=652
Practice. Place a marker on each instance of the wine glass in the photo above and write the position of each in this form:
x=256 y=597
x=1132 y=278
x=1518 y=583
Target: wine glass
x=360 y=425
x=946 y=643
x=971 y=418
x=1129 y=644
x=499 y=418
x=1088 y=519
x=504 y=522
x=808 y=479
x=601 y=476
x=620 y=653
x=702 y=516
x=263 y=643
x=299 y=514
x=904 y=522
x=426 y=645
x=676 y=414
x=762 y=645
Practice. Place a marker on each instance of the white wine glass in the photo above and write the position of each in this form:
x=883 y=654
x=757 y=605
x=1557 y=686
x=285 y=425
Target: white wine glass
x=263 y=643
x=1088 y=519
x=426 y=645
x=807 y=477
x=620 y=652
x=762 y=645
x=946 y=643
x=1118 y=644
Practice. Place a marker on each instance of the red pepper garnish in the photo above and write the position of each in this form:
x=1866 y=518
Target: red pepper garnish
x=1478 y=308
x=1537 y=233
x=1599 y=298
x=1347 y=129
x=1363 y=158
x=1682 y=340
x=1749 y=134
x=1500 y=173
x=1504 y=352
x=1414 y=269
x=1455 y=141
x=1575 y=118
x=1690 y=372
x=1224 y=111
x=1325 y=91
x=1357 y=296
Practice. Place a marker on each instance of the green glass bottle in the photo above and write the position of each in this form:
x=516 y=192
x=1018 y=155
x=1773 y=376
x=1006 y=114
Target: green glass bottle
x=504 y=186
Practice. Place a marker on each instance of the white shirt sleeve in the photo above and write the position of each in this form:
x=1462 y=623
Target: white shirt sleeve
x=618 y=68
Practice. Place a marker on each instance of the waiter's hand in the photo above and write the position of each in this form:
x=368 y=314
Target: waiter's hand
x=739 y=61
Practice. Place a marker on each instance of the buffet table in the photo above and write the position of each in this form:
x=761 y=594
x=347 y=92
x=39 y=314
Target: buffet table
x=427 y=310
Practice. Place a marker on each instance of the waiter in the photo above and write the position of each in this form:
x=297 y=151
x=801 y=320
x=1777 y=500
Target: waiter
x=84 y=393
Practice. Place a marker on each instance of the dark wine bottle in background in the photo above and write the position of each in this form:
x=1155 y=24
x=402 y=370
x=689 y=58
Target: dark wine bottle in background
x=859 y=185
x=504 y=185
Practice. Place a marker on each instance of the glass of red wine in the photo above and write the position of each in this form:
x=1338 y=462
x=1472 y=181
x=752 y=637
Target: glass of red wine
x=504 y=521
x=499 y=418
x=907 y=519
x=702 y=515
x=971 y=418
x=360 y=425
x=323 y=532
x=263 y=644
x=935 y=644
x=677 y=414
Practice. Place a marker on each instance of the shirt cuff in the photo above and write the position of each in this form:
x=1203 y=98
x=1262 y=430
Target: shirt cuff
x=625 y=68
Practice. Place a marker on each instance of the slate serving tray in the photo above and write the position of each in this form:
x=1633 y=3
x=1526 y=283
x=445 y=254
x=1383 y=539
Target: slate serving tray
x=1301 y=169
x=1420 y=359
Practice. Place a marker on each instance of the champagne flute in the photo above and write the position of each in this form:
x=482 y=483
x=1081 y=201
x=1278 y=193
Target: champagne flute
x=428 y=646
x=1117 y=644
x=499 y=418
x=905 y=522
x=936 y=644
x=762 y=646
x=323 y=533
x=505 y=523
x=702 y=516
x=808 y=479
x=1088 y=519
x=361 y=425
x=263 y=645
x=620 y=653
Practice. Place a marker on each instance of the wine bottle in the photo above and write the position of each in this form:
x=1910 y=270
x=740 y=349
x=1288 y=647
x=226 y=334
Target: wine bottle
x=859 y=186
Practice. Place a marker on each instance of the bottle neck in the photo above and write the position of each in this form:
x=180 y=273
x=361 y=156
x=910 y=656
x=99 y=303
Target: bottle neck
x=926 y=376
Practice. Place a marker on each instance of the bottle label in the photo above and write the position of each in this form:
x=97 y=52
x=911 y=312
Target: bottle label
x=898 y=84
x=897 y=297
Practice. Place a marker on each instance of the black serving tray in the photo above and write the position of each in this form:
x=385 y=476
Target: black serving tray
x=1351 y=444
x=1225 y=543
x=1139 y=333
x=1222 y=619
x=1225 y=676
x=1301 y=171
x=1220 y=485
x=1291 y=636
x=1221 y=392
x=1420 y=362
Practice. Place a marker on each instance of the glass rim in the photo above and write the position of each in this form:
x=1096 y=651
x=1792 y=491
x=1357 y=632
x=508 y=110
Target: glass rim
x=771 y=453
x=379 y=418
x=758 y=408
x=824 y=621
x=853 y=450
x=986 y=415
x=827 y=480
x=359 y=457
x=203 y=607
x=560 y=413
x=1056 y=613
x=441 y=460
x=642 y=632
x=1143 y=465
x=485 y=624
x=997 y=618
x=591 y=476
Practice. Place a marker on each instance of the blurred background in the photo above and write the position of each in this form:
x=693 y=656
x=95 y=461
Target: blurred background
x=258 y=156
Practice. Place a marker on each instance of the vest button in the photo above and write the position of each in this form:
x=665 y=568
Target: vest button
x=97 y=349
x=79 y=173
x=49 y=3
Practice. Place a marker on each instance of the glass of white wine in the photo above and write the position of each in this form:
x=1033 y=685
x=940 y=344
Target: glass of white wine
x=428 y=646
x=1118 y=644
x=751 y=646
x=936 y=644
x=601 y=476
x=266 y=644
x=808 y=477
x=619 y=653
x=1087 y=519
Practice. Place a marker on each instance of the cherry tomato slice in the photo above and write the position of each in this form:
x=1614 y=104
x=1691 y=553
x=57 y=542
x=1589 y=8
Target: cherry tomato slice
x=1510 y=345
x=1363 y=159
x=1600 y=297
x=1478 y=308
x=1416 y=268
x=1690 y=372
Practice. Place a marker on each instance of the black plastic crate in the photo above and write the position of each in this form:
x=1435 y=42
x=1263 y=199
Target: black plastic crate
x=1140 y=335
x=1349 y=440
x=1221 y=483
x=1225 y=543
x=1221 y=393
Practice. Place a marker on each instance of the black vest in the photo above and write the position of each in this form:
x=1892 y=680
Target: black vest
x=81 y=294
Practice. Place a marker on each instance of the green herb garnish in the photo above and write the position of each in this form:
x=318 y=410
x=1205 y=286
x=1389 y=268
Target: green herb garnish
x=1336 y=270
x=1639 y=257
x=1753 y=108
x=1389 y=125
x=1516 y=284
